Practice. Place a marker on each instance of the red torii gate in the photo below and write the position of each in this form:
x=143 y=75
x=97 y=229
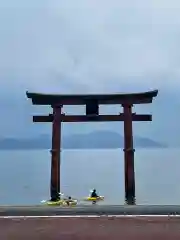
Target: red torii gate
x=92 y=102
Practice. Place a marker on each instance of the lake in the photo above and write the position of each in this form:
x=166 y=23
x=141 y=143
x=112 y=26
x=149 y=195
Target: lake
x=25 y=175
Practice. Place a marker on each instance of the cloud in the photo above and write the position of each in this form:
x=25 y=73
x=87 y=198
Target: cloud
x=89 y=45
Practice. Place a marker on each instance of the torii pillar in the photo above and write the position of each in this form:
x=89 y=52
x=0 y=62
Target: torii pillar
x=56 y=153
x=129 y=173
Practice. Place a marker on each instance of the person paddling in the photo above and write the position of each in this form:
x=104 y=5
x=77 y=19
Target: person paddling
x=94 y=195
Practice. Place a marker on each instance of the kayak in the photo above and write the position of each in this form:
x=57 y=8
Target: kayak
x=100 y=198
x=53 y=203
x=61 y=202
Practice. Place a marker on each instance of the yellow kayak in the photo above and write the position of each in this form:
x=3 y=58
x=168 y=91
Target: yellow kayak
x=60 y=203
x=100 y=198
x=53 y=203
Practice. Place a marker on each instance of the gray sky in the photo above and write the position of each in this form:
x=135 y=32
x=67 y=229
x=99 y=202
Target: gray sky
x=96 y=45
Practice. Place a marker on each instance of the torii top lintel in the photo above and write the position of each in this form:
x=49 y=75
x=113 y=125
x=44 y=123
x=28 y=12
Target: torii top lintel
x=82 y=99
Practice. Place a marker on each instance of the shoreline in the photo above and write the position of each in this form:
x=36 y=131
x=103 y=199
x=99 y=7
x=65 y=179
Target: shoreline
x=89 y=210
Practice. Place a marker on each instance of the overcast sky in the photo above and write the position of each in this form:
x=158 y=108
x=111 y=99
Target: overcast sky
x=90 y=46
x=97 y=45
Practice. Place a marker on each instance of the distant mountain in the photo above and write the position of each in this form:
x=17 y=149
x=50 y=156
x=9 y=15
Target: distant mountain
x=94 y=140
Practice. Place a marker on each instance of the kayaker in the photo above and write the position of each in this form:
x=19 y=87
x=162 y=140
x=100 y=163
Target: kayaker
x=94 y=194
x=69 y=200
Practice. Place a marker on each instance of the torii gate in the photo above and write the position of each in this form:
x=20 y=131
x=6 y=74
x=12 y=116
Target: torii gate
x=92 y=102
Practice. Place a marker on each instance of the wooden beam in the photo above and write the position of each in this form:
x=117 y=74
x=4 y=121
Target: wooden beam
x=99 y=118
x=81 y=99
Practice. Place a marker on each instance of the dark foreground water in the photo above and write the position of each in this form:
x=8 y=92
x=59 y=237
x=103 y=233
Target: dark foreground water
x=25 y=175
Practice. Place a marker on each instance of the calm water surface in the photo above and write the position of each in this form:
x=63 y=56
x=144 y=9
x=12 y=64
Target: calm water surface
x=25 y=175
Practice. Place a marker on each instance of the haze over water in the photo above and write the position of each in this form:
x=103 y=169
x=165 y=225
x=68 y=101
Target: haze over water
x=25 y=175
